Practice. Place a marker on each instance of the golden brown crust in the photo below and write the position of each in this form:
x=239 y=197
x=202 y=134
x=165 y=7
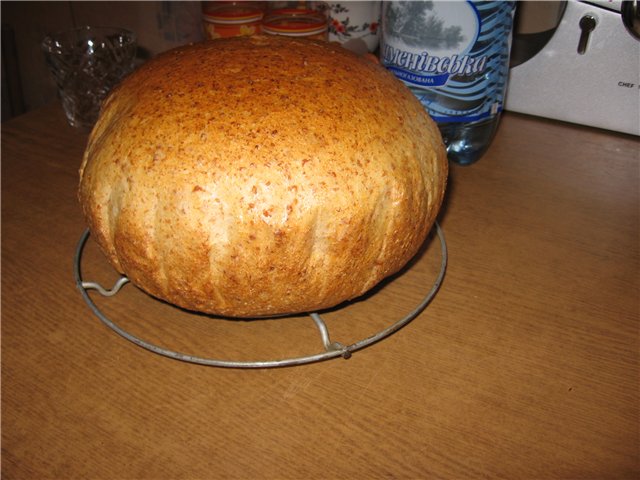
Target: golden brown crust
x=261 y=176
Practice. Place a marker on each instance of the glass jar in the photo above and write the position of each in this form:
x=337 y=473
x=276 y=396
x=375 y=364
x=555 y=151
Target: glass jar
x=294 y=22
x=231 y=19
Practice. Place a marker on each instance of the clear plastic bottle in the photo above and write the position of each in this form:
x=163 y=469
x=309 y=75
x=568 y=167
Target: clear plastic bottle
x=454 y=56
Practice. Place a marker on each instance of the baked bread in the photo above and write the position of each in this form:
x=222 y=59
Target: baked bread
x=261 y=176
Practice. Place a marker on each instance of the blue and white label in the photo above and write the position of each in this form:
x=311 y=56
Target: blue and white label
x=453 y=55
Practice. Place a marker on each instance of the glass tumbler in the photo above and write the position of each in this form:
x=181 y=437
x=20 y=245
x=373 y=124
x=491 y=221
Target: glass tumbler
x=87 y=62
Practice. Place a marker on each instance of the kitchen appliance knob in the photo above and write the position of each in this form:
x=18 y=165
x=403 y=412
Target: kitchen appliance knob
x=630 y=14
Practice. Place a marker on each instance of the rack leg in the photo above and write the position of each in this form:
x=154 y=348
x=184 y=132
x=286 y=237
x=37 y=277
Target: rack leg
x=329 y=346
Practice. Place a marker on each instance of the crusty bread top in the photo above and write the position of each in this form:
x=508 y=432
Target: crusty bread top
x=261 y=176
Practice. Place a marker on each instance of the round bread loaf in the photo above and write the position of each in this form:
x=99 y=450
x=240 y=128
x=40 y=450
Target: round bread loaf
x=261 y=176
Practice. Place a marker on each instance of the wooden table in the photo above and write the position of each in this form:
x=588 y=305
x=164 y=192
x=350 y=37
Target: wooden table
x=524 y=366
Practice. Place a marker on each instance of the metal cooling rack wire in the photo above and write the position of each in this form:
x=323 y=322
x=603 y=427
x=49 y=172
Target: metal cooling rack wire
x=331 y=349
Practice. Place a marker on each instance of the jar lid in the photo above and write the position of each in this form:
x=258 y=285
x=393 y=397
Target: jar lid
x=294 y=22
x=233 y=14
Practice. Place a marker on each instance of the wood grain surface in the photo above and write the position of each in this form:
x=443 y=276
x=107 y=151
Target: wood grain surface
x=524 y=366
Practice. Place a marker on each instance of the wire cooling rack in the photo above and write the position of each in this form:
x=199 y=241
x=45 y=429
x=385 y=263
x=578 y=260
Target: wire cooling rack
x=332 y=349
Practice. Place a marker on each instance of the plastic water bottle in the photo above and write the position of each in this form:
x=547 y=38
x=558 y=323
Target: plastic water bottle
x=454 y=56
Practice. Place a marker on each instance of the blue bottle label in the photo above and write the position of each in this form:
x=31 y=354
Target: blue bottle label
x=453 y=55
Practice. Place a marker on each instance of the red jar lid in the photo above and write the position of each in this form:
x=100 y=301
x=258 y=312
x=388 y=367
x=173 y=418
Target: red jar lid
x=294 y=22
x=233 y=14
